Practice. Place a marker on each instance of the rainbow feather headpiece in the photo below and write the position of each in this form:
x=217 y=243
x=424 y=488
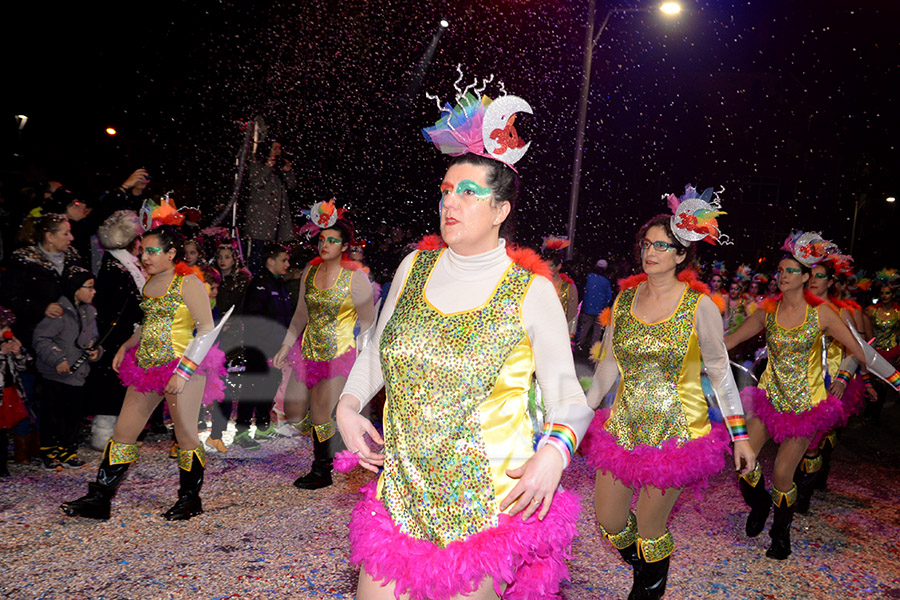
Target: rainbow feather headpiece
x=884 y=276
x=842 y=264
x=719 y=268
x=164 y=213
x=554 y=243
x=809 y=247
x=744 y=274
x=479 y=125
x=694 y=217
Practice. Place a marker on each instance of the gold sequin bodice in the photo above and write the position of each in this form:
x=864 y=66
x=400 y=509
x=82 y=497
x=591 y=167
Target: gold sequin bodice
x=167 y=328
x=659 y=396
x=887 y=329
x=456 y=412
x=332 y=317
x=793 y=378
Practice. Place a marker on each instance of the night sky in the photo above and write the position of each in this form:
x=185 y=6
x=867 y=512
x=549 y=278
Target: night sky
x=791 y=106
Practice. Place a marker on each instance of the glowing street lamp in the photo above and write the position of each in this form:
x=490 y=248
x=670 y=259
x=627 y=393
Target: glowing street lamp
x=111 y=131
x=667 y=8
x=890 y=199
x=445 y=23
x=22 y=119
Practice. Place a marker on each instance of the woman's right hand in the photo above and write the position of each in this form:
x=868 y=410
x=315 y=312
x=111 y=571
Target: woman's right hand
x=837 y=388
x=280 y=357
x=118 y=358
x=353 y=428
x=54 y=310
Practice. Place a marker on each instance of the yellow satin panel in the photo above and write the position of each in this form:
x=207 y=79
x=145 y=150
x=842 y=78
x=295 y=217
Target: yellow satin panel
x=346 y=321
x=505 y=424
x=182 y=330
x=814 y=376
x=690 y=391
x=834 y=356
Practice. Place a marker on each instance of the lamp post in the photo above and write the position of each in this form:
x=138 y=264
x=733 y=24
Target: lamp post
x=668 y=8
x=861 y=201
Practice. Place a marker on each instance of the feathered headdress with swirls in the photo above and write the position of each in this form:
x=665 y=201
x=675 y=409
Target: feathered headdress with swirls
x=809 y=247
x=884 y=276
x=744 y=274
x=163 y=213
x=694 y=217
x=479 y=125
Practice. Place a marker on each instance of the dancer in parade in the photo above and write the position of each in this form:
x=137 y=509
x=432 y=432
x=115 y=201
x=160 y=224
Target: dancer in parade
x=657 y=438
x=552 y=254
x=335 y=296
x=162 y=359
x=885 y=318
x=464 y=495
x=792 y=405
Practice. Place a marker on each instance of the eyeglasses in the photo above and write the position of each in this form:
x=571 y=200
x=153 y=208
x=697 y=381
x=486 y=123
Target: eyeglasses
x=658 y=246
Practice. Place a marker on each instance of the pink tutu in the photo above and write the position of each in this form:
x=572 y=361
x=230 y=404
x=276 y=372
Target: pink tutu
x=155 y=379
x=812 y=423
x=310 y=372
x=674 y=465
x=853 y=399
x=529 y=556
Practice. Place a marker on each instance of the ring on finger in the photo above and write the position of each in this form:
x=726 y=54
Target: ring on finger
x=534 y=500
x=354 y=451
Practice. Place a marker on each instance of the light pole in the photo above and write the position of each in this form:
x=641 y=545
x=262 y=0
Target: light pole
x=590 y=40
x=861 y=201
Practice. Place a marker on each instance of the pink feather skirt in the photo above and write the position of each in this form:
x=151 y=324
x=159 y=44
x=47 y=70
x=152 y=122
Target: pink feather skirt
x=812 y=423
x=528 y=556
x=155 y=379
x=310 y=372
x=673 y=465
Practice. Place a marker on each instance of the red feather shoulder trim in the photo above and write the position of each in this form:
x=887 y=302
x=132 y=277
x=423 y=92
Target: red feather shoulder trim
x=838 y=304
x=719 y=301
x=689 y=276
x=633 y=281
x=604 y=317
x=852 y=305
x=431 y=242
x=182 y=268
x=770 y=303
x=530 y=260
x=811 y=298
x=350 y=265
x=566 y=278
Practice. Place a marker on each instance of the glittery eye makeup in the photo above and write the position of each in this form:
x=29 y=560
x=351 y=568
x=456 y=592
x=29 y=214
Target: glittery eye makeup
x=467 y=185
x=152 y=250
x=331 y=240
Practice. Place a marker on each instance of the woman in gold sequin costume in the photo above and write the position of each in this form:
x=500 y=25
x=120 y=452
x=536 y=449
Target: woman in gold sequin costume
x=885 y=318
x=335 y=296
x=175 y=304
x=657 y=438
x=791 y=406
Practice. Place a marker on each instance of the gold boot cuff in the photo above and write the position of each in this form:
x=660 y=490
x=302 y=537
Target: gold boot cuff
x=624 y=538
x=655 y=550
x=325 y=431
x=811 y=464
x=830 y=438
x=121 y=454
x=753 y=476
x=186 y=457
x=789 y=497
x=304 y=426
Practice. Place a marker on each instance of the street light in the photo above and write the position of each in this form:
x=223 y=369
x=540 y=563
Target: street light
x=111 y=131
x=890 y=199
x=861 y=201
x=445 y=23
x=667 y=8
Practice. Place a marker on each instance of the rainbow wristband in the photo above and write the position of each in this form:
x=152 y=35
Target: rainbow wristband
x=563 y=438
x=894 y=380
x=185 y=368
x=737 y=427
x=843 y=376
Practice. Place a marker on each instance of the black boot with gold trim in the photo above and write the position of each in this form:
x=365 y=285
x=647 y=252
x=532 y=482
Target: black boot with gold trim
x=191 y=467
x=753 y=489
x=320 y=474
x=653 y=573
x=806 y=478
x=781 y=524
x=626 y=543
x=113 y=469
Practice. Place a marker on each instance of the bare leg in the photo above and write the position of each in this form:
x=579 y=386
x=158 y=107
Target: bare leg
x=758 y=433
x=653 y=509
x=612 y=502
x=369 y=589
x=790 y=452
x=296 y=400
x=325 y=396
x=136 y=410
x=185 y=409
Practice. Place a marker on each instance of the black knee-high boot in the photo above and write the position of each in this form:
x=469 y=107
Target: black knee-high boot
x=753 y=489
x=653 y=573
x=191 y=467
x=626 y=543
x=826 y=448
x=324 y=440
x=113 y=469
x=781 y=524
x=806 y=477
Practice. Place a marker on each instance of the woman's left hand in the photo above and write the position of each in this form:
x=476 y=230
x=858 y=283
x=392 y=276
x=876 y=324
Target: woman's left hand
x=744 y=457
x=538 y=481
x=175 y=385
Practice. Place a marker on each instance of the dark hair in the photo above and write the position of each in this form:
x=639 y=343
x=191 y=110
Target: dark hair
x=343 y=227
x=169 y=238
x=503 y=181
x=803 y=268
x=829 y=269
x=665 y=221
x=264 y=148
x=271 y=250
x=48 y=224
x=211 y=274
x=552 y=257
x=7 y=318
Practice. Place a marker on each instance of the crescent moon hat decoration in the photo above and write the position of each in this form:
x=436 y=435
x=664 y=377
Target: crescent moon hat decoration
x=479 y=125
x=694 y=217
x=809 y=248
x=322 y=215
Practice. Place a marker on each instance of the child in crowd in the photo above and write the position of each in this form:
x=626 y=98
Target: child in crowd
x=64 y=346
x=13 y=359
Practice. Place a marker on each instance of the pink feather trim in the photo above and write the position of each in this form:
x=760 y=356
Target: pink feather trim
x=345 y=461
x=155 y=379
x=673 y=465
x=853 y=399
x=812 y=423
x=311 y=372
x=529 y=555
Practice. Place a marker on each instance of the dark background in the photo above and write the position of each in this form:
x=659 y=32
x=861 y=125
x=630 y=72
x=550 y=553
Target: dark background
x=791 y=106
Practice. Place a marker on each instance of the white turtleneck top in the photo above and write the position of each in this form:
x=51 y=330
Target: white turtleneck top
x=460 y=283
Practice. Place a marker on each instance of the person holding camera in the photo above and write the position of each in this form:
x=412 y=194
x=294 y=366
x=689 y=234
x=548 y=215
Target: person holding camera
x=269 y=209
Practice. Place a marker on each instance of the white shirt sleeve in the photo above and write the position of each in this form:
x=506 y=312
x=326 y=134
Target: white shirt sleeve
x=708 y=323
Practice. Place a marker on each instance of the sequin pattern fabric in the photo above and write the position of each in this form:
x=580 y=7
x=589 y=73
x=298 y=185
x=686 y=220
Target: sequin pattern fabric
x=648 y=411
x=789 y=350
x=156 y=329
x=438 y=368
x=320 y=340
x=887 y=330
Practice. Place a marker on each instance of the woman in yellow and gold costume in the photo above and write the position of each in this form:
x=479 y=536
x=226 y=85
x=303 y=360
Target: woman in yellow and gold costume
x=657 y=438
x=320 y=344
x=468 y=502
x=792 y=404
x=162 y=359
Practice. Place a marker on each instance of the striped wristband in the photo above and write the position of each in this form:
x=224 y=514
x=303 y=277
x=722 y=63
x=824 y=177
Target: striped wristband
x=843 y=376
x=185 y=368
x=894 y=380
x=737 y=427
x=562 y=438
